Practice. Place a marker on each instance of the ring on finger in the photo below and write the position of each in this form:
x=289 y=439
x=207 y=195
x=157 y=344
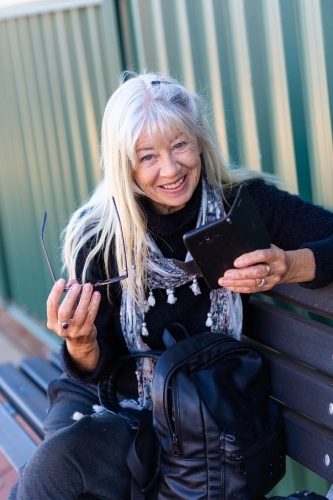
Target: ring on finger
x=268 y=270
x=65 y=324
x=262 y=283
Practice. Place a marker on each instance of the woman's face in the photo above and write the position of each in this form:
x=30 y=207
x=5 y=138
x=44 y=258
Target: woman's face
x=169 y=174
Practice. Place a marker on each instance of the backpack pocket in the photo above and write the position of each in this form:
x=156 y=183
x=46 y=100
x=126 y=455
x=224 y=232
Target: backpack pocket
x=182 y=479
x=259 y=469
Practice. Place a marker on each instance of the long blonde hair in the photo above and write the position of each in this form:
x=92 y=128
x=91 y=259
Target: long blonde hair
x=159 y=105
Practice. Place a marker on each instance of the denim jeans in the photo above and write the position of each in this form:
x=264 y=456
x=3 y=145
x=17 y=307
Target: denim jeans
x=84 y=459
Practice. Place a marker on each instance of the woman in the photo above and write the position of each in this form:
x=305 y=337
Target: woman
x=163 y=166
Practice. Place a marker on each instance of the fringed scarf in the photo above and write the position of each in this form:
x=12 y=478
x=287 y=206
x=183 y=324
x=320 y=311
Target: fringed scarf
x=225 y=315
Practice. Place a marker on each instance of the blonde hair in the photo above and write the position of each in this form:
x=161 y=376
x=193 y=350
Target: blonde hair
x=158 y=105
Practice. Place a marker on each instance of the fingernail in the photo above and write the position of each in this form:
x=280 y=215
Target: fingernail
x=75 y=287
x=223 y=282
x=60 y=281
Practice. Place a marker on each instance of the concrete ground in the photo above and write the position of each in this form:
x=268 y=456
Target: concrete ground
x=9 y=350
x=17 y=339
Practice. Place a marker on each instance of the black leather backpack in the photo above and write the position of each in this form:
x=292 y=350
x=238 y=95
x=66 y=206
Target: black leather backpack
x=216 y=432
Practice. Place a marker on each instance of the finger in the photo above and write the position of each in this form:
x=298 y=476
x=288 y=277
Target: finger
x=52 y=304
x=251 y=283
x=254 y=272
x=249 y=286
x=91 y=313
x=69 y=303
x=84 y=303
x=93 y=308
x=71 y=282
x=256 y=257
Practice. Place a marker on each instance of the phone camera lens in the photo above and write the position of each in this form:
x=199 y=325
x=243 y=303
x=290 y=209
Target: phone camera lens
x=207 y=237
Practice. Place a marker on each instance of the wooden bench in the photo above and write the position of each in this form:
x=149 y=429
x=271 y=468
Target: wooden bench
x=23 y=406
x=297 y=343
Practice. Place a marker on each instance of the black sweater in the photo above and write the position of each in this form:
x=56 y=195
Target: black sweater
x=291 y=223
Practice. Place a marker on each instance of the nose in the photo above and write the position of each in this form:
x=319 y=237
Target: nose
x=169 y=167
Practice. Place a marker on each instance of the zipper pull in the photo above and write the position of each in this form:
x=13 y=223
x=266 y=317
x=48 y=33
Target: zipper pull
x=134 y=425
x=175 y=445
x=241 y=465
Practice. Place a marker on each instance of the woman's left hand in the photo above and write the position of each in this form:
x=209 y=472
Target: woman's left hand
x=262 y=269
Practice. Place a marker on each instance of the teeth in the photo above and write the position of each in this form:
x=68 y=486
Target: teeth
x=175 y=184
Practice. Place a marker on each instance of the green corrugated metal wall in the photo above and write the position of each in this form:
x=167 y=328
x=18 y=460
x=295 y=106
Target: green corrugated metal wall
x=266 y=67
x=57 y=69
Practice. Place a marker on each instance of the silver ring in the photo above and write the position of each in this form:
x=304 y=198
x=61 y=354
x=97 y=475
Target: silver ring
x=65 y=325
x=268 y=270
x=263 y=282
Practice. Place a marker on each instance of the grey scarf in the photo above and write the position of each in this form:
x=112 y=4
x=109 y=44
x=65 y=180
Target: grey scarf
x=225 y=313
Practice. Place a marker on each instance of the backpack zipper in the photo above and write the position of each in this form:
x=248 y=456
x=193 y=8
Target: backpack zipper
x=263 y=445
x=175 y=445
x=172 y=422
x=222 y=454
x=241 y=463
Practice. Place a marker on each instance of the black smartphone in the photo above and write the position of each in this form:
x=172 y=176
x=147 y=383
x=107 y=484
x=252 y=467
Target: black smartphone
x=215 y=246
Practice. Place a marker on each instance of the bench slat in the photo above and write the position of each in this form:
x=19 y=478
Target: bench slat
x=309 y=443
x=300 y=387
x=285 y=331
x=40 y=371
x=318 y=301
x=24 y=395
x=15 y=444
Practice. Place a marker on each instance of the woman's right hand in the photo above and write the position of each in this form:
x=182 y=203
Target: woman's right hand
x=79 y=309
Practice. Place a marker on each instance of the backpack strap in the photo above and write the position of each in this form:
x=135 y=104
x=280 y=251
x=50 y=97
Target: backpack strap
x=174 y=332
x=142 y=480
x=136 y=491
x=107 y=387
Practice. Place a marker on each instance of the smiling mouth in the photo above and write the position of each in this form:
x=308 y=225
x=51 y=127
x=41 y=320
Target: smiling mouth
x=175 y=184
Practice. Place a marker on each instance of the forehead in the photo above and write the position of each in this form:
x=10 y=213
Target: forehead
x=148 y=141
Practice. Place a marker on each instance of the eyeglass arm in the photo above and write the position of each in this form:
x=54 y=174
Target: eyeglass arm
x=44 y=247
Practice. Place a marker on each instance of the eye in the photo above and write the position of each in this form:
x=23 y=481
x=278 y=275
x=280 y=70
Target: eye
x=147 y=158
x=179 y=145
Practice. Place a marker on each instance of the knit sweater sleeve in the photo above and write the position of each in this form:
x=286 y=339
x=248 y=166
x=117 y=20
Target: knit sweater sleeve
x=105 y=330
x=294 y=224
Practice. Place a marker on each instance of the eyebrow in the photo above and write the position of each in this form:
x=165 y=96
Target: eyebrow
x=144 y=149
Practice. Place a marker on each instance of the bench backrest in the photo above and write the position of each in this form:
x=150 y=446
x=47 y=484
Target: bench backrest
x=299 y=348
x=23 y=406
